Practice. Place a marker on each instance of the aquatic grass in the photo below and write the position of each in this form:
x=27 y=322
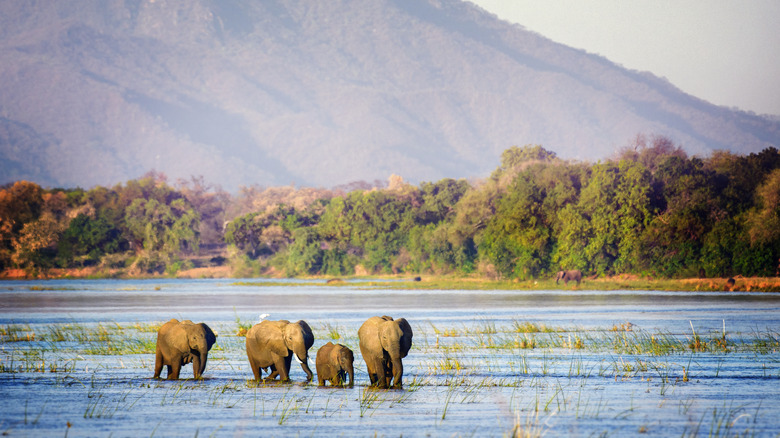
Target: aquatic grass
x=451 y=332
x=369 y=400
x=242 y=327
x=447 y=365
x=530 y=327
x=333 y=331
x=147 y=327
x=16 y=333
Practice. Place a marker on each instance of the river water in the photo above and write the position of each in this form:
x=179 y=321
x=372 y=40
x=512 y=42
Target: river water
x=77 y=358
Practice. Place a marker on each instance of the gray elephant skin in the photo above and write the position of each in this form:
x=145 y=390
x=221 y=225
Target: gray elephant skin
x=335 y=362
x=567 y=276
x=180 y=343
x=271 y=345
x=383 y=343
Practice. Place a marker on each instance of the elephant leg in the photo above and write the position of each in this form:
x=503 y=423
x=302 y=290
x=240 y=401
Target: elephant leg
x=284 y=373
x=272 y=373
x=374 y=367
x=255 y=368
x=176 y=369
x=380 y=375
x=158 y=364
x=169 y=369
x=387 y=366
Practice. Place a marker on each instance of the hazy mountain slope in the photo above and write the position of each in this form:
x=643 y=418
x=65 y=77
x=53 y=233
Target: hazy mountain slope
x=316 y=93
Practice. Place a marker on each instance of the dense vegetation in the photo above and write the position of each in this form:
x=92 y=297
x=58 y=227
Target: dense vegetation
x=652 y=210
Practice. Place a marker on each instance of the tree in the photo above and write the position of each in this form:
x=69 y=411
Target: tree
x=764 y=219
x=244 y=232
x=36 y=243
x=515 y=158
x=517 y=240
x=210 y=203
x=602 y=232
x=167 y=229
x=87 y=240
x=20 y=203
x=439 y=199
x=686 y=210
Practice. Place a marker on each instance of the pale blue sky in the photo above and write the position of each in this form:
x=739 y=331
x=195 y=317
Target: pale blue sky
x=724 y=51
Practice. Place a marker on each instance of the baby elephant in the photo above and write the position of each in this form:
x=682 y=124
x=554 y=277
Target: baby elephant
x=334 y=361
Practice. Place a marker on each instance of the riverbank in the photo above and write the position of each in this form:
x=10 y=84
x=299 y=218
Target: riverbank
x=433 y=282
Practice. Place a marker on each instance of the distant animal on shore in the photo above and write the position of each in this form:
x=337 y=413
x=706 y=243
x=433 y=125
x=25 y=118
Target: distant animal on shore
x=180 y=343
x=567 y=276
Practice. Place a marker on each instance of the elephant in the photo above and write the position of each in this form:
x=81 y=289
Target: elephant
x=334 y=363
x=567 y=276
x=180 y=343
x=273 y=344
x=383 y=343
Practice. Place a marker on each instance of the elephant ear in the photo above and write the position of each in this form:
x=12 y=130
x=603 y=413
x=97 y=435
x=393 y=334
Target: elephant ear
x=406 y=338
x=308 y=336
x=270 y=335
x=211 y=337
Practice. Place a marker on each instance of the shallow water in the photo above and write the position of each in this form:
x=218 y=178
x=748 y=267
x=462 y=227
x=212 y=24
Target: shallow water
x=470 y=371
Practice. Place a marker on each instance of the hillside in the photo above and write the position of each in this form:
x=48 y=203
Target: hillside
x=315 y=93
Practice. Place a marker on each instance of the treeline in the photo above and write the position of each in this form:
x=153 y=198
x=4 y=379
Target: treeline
x=651 y=210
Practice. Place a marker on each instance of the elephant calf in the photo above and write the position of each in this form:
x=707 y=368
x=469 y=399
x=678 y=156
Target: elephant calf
x=180 y=343
x=383 y=343
x=567 y=276
x=334 y=362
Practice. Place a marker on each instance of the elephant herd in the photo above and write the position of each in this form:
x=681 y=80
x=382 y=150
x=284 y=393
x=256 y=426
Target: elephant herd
x=271 y=346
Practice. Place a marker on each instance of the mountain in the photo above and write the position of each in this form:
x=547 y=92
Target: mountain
x=275 y=92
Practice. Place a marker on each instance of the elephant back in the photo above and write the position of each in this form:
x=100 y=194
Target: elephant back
x=267 y=336
x=323 y=354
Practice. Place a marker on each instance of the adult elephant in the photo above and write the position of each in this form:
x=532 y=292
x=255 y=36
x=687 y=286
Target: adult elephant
x=567 y=276
x=383 y=343
x=273 y=344
x=334 y=363
x=180 y=343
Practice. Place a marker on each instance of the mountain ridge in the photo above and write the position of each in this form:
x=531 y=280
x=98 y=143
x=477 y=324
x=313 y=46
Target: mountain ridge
x=294 y=92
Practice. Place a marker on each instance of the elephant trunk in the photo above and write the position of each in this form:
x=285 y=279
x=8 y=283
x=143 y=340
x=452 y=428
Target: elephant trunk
x=351 y=371
x=302 y=358
x=204 y=355
x=398 y=372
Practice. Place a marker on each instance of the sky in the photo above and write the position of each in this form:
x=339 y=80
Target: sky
x=726 y=52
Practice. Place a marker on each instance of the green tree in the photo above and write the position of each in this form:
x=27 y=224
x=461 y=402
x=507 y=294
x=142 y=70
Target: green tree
x=167 y=229
x=517 y=240
x=515 y=158
x=687 y=209
x=602 y=232
x=86 y=240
